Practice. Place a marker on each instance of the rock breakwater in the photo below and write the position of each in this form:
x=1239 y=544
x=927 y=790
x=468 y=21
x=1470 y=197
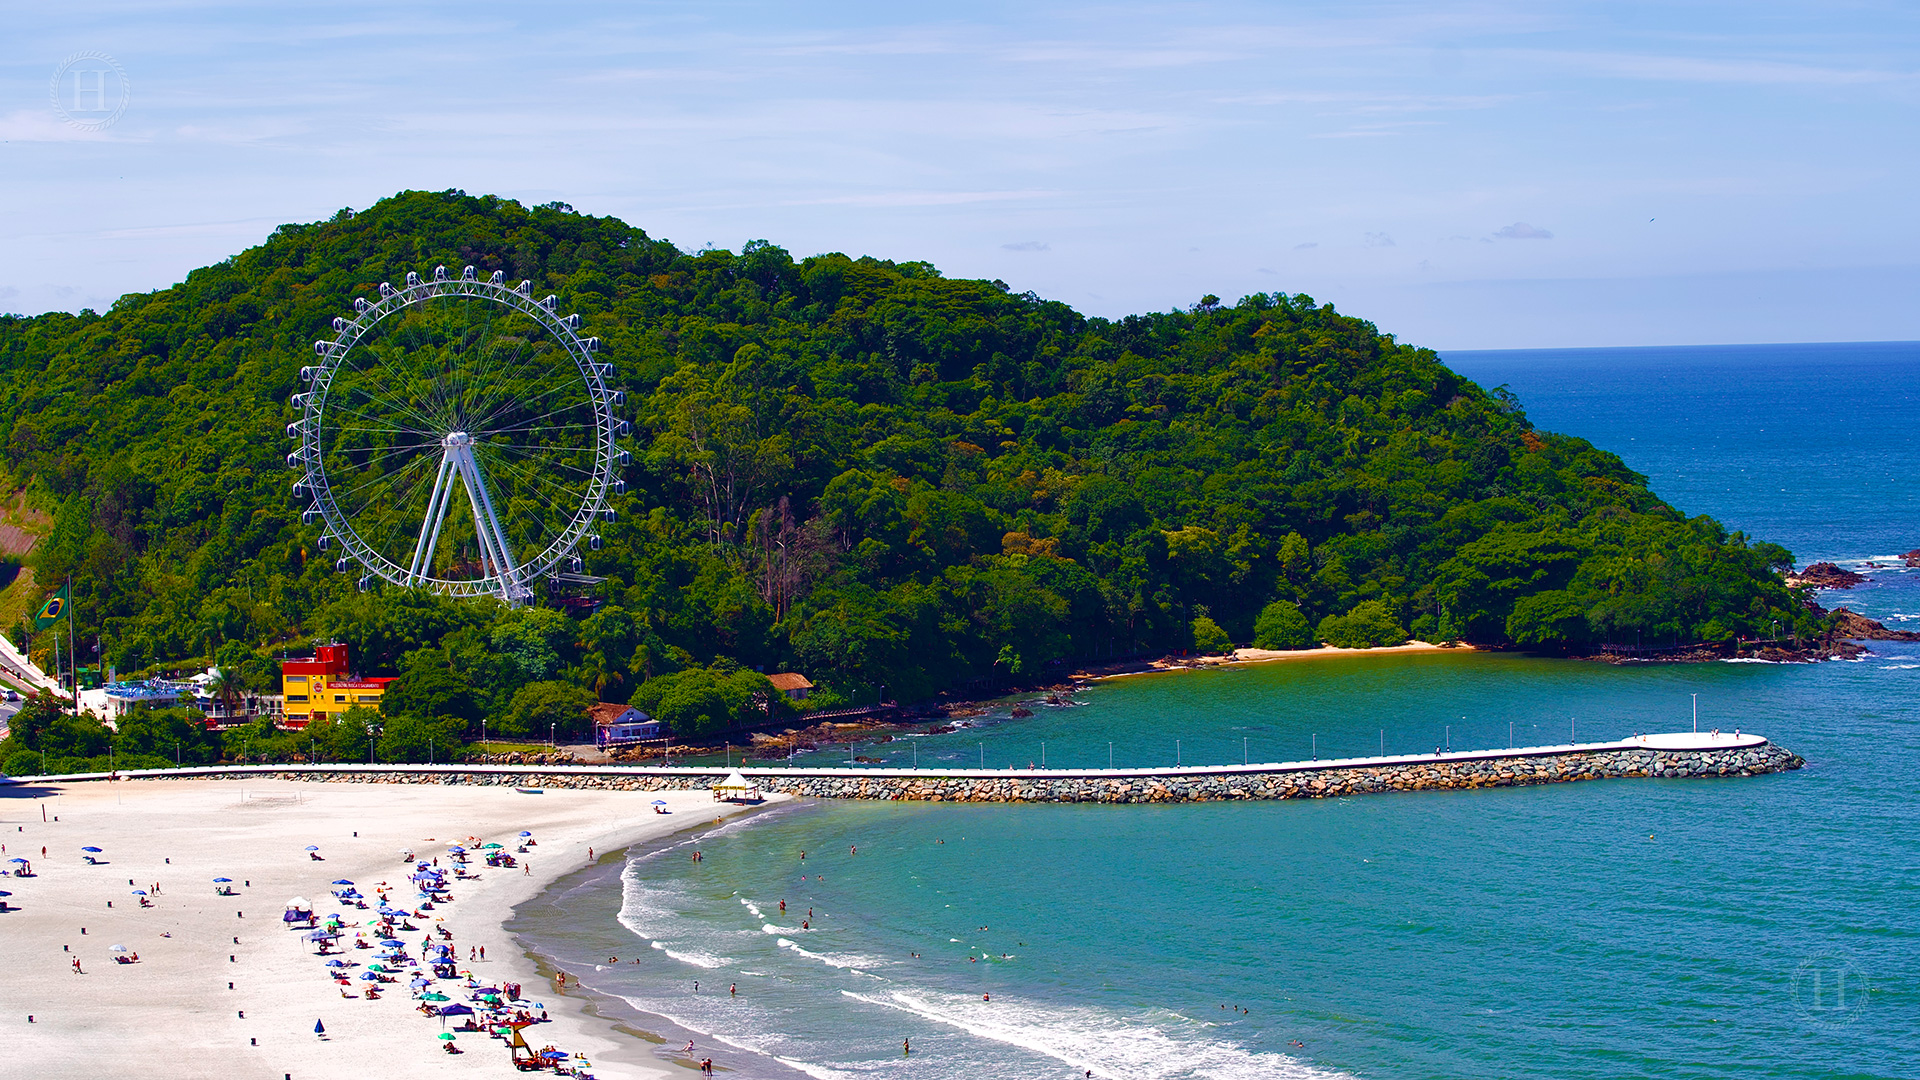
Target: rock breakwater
x=1749 y=756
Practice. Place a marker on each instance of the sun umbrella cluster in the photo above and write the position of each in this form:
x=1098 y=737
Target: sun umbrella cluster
x=435 y=982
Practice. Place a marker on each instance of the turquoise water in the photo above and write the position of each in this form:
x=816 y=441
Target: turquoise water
x=1732 y=928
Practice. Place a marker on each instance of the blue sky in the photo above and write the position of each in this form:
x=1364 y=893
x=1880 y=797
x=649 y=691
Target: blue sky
x=1467 y=175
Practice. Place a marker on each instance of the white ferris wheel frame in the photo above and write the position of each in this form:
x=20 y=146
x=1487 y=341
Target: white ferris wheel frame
x=506 y=578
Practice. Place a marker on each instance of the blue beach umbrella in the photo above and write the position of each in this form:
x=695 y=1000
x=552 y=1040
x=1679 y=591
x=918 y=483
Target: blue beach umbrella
x=313 y=847
x=139 y=892
x=394 y=942
x=336 y=963
x=94 y=850
x=16 y=859
x=319 y=1028
x=342 y=881
x=369 y=976
x=223 y=881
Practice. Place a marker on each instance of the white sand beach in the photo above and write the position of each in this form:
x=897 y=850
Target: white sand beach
x=1263 y=656
x=173 y=1015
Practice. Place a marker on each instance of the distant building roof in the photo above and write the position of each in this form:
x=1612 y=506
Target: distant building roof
x=786 y=680
x=607 y=712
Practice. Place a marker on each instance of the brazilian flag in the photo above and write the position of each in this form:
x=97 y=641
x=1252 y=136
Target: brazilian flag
x=52 y=611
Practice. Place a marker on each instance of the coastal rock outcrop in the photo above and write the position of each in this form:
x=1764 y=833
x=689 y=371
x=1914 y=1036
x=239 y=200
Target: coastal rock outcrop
x=1826 y=575
x=1851 y=624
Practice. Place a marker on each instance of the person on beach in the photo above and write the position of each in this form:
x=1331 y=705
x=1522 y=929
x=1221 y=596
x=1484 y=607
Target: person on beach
x=906 y=1047
x=688 y=1049
x=733 y=989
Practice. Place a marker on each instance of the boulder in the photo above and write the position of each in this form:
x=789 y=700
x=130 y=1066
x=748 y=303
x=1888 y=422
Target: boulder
x=1825 y=575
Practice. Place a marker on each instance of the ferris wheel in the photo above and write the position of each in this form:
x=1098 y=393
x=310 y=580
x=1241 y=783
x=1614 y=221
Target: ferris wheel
x=458 y=435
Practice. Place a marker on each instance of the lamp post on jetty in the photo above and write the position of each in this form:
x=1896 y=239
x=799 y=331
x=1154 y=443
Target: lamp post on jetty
x=1696 y=714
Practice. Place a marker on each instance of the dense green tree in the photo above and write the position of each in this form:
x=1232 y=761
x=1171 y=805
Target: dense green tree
x=1208 y=637
x=1370 y=624
x=543 y=708
x=1281 y=625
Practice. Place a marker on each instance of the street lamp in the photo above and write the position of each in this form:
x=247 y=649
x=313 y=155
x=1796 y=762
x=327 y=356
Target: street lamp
x=1696 y=714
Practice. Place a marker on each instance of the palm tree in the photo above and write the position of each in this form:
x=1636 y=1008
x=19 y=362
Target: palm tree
x=227 y=688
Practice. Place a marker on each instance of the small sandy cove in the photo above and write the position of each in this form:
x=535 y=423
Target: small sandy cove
x=172 y=1014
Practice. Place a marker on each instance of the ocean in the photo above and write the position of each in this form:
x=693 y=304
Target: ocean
x=1763 y=927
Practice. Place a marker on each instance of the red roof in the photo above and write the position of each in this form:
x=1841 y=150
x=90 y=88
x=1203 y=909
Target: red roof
x=787 y=680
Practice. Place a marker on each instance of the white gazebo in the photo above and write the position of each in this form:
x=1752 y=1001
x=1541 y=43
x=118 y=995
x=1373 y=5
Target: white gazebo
x=736 y=787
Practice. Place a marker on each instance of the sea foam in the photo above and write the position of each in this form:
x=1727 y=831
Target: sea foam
x=1156 y=1045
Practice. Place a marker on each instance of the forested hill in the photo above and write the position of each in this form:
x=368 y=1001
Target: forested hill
x=856 y=469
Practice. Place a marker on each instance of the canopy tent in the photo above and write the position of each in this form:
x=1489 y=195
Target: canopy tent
x=735 y=786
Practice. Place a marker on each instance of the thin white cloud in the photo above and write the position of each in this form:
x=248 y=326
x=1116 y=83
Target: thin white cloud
x=1709 y=70
x=1027 y=245
x=1520 y=230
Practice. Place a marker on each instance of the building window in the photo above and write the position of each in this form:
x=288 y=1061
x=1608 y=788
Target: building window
x=296 y=699
x=367 y=699
x=297 y=678
x=341 y=698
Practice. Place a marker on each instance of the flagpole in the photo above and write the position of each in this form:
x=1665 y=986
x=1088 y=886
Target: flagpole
x=73 y=662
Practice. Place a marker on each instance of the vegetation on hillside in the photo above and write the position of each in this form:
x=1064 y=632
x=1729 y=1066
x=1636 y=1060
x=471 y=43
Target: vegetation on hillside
x=850 y=467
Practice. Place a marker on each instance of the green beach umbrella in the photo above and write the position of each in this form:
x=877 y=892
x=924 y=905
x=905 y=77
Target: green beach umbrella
x=447 y=1035
x=435 y=997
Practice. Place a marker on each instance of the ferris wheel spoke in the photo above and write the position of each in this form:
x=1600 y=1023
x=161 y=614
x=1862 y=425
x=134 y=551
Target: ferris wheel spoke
x=548 y=462
x=482 y=376
x=536 y=482
x=503 y=405
x=367 y=381
x=385 y=418
x=492 y=361
x=390 y=480
x=510 y=381
x=536 y=463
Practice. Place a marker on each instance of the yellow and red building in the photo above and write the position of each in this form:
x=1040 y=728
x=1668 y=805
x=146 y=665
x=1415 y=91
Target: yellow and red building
x=323 y=683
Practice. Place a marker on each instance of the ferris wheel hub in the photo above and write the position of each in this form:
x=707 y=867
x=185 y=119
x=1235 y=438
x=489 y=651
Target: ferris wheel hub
x=456 y=439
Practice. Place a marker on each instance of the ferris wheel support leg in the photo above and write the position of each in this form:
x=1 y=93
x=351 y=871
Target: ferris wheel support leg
x=437 y=504
x=493 y=539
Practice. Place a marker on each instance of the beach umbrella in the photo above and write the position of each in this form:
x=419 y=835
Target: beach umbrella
x=447 y=1035
x=392 y=941
x=336 y=963
x=17 y=859
x=456 y=1009
x=342 y=881
x=369 y=976
x=319 y=1028
x=659 y=802
x=139 y=892
x=223 y=881
x=300 y=902
x=313 y=847
x=450 y=847
x=94 y=850
x=524 y=832
x=435 y=997
x=118 y=948
x=489 y=847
